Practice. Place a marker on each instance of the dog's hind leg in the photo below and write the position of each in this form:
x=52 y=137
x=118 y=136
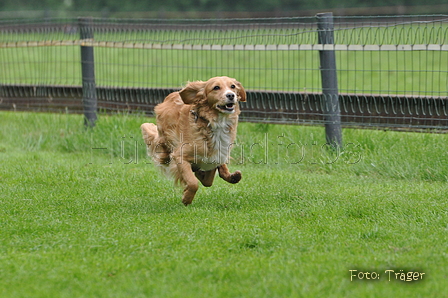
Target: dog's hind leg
x=186 y=176
x=225 y=174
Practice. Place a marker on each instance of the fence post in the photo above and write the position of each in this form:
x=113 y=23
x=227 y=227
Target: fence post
x=332 y=112
x=89 y=98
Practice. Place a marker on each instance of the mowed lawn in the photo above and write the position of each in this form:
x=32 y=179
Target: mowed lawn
x=84 y=213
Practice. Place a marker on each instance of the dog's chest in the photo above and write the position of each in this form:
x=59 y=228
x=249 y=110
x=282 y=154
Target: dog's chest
x=221 y=138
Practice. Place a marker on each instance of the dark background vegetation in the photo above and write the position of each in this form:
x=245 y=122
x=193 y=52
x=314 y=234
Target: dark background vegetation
x=275 y=7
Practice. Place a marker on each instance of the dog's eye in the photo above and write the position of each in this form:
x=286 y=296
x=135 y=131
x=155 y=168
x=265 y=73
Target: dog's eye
x=233 y=86
x=216 y=88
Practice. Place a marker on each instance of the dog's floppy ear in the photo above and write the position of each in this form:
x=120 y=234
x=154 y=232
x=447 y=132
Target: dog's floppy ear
x=193 y=92
x=241 y=92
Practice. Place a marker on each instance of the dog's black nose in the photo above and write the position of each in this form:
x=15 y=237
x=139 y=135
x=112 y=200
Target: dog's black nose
x=230 y=96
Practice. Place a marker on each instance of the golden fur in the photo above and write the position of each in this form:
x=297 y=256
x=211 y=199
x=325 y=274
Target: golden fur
x=196 y=128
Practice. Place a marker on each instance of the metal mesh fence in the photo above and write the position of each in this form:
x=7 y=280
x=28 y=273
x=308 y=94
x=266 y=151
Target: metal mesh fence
x=391 y=71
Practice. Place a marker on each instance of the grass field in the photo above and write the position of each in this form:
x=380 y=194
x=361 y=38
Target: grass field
x=377 y=72
x=359 y=72
x=86 y=214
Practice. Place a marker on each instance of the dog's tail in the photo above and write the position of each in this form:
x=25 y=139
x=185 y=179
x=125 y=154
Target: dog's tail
x=157 y=148
x=160 y=151
x=150 y=134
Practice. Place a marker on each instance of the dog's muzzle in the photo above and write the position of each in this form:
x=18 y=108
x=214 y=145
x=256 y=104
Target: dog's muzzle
x=229 y=106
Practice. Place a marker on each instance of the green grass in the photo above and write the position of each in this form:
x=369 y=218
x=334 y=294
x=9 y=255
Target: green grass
x=83 y=222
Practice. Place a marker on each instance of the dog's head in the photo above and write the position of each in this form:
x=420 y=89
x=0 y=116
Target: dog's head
x=220 y=93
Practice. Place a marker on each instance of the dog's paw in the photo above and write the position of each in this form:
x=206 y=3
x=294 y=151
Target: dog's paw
x=187 y=200
x=235 y=177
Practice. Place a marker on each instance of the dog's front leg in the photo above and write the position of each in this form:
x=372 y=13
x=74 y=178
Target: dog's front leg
x=225 y=174
x=188 y=179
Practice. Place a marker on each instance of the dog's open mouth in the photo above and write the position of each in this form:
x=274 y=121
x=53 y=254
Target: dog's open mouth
x=227 y=108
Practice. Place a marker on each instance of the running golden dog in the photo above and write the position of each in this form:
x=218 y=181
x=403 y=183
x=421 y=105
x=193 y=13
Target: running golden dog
x=196 y=128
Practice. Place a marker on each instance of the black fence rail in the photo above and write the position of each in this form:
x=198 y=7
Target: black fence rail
x=374 y=111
